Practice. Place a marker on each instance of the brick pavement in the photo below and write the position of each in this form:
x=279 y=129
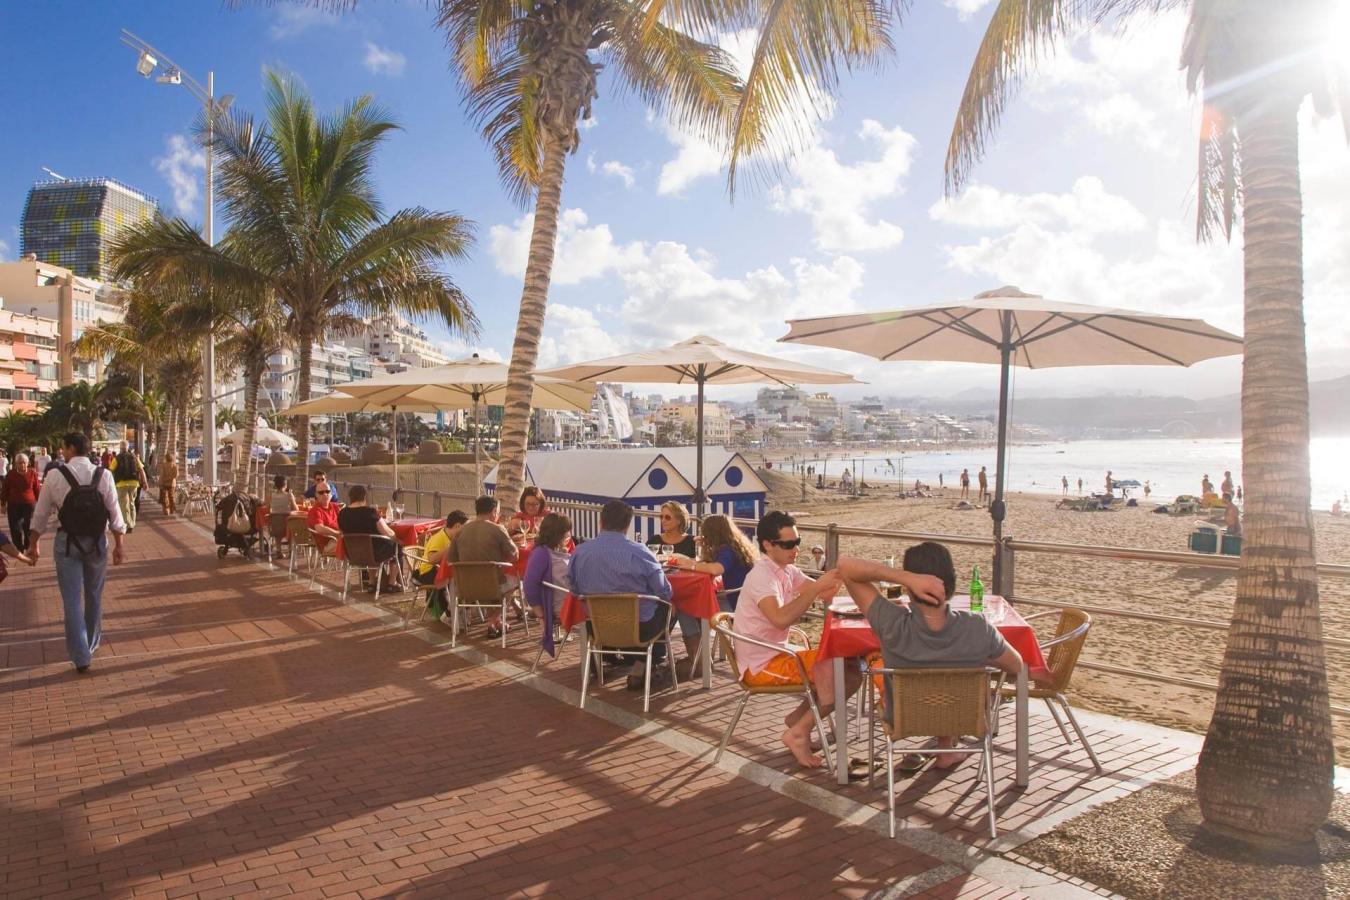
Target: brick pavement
x=241 y=735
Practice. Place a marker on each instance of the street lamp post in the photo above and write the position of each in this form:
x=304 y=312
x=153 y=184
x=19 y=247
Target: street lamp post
x=149 y=60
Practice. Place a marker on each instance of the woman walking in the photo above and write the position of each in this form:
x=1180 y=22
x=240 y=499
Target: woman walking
x=168 y=482
x=19 y=497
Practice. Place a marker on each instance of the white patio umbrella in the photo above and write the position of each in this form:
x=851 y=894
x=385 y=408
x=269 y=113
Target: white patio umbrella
x=1012 y=328
x=464 y=384
x=263 y=436
x=340 y=403
x=700 y=361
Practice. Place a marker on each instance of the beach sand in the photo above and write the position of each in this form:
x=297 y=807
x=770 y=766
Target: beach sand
x=1190 y=591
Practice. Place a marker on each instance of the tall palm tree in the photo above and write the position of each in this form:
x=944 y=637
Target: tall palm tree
x=1265 y=774
x=528 y=71
x=309 y=230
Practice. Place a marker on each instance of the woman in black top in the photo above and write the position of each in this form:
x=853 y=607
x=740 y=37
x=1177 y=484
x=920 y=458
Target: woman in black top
x=674 y=530
x=359 y=517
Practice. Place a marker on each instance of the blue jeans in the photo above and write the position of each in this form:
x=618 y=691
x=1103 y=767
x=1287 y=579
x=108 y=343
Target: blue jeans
x=692 y=627
x=80 y=577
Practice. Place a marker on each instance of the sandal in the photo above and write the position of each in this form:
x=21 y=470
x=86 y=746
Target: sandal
x=493 y=632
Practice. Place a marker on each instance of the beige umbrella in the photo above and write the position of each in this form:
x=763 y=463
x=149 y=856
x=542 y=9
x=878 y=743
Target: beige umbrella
x=1012 y=328
x=465 y=384
x=340 y=402
x=699 y=361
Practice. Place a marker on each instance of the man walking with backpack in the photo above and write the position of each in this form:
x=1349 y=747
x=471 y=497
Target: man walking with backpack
x=85 y=503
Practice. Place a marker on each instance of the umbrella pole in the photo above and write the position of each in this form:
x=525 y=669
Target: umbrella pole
x=996 y=509
x=477 y=446
x=395 y=408
x=698 y=468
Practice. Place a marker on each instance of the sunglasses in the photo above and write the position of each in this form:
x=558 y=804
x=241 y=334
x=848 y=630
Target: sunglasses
x=325 y=493
x=788 y=545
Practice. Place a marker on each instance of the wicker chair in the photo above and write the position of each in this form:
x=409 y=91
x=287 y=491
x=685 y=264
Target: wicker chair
x=942 y=702
x=416 y=556
x=727 y=639
x=1070 y=635
x=276 y=533
x=614 y=631
x=478 y=586
x=361 y=552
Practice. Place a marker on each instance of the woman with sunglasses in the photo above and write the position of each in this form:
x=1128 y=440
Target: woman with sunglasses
x=530 y=512
x=674 y=530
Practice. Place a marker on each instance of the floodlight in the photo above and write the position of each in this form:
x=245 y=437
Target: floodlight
x=173 y=76
x=146 y=64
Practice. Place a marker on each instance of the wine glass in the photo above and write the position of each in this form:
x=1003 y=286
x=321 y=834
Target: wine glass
x=667 y=550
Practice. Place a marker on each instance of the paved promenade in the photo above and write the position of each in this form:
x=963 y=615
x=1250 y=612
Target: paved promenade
x=240 y=735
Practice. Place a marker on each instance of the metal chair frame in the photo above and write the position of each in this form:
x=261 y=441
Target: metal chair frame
x=350 y=540
x=722 y=625
x=896 y=727
x=467 y=586
x=595 y=651
x=416 y=558
x=1054 y=692
x=557 y=638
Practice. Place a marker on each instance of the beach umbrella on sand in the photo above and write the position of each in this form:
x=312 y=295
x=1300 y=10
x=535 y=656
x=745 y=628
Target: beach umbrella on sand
x=464 y=384
x=699 y=361
x=1012 y=328
x=263 y=436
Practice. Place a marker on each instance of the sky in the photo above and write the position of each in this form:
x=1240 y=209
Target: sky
x=1087 y=195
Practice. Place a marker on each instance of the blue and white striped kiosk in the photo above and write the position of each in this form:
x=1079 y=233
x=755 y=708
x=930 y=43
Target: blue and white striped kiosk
x=645 y=478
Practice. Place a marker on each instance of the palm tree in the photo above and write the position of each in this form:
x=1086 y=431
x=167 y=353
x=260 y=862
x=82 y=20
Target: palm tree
x=307 y=229
x=1265 y=773
x=528 y=72
x=86 y=406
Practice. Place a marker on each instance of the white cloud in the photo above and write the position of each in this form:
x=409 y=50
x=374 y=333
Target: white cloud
x=182 y=166
x=1087 y=206
x=838 y=196
x=383 y=61
x=695 y=158
x=588 y=124
x=613 y=169
x=581 y=252
x=4 y=251
x=292 y=19
x=965 y=9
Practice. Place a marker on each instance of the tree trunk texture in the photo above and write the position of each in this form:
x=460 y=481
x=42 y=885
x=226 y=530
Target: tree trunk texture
x=185 y=428
x=1265 y=773
x=302 y=422
x=252 y=381
x=170 y=428
x=530 y=326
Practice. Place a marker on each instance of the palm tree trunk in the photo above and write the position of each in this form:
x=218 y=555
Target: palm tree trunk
x=302 y=422
x=1265 y=773
x=185 y=427
x=530 y=326
x=252 y=381
x=170 y=428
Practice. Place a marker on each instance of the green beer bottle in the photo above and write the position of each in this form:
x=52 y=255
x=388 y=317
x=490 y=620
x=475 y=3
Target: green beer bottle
x=976 y=592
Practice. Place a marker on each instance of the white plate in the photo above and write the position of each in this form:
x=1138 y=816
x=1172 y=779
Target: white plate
x=847 y=608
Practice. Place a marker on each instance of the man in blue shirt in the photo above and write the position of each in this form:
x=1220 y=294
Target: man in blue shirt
x=613 y=563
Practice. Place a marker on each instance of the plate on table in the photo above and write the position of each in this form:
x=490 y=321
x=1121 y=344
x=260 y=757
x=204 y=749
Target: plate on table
x=845 y=608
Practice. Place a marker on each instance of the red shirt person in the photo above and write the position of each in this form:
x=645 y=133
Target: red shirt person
x=323 y=517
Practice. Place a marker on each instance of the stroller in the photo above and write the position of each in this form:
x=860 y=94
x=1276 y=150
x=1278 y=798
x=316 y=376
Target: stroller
x=236 y=524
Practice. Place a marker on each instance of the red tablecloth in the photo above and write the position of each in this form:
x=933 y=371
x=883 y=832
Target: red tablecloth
x=692 y=593
x=847 y=636
x=409 y=529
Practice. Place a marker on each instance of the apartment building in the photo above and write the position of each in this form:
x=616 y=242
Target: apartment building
x=49 y=291
x=28 y=360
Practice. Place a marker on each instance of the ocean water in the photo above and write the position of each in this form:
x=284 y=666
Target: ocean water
x=1171 y=466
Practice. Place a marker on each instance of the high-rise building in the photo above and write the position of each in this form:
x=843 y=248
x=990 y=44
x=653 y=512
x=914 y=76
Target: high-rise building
x=72 y=223
x=397 y=344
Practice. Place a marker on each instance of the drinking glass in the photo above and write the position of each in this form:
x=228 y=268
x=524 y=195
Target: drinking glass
x=667 y=550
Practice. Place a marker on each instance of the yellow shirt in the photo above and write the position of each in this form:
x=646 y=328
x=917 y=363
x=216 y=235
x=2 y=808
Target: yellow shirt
x=436 y=542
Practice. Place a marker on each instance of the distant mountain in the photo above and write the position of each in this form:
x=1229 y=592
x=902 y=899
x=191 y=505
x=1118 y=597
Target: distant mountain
x=1121 y=415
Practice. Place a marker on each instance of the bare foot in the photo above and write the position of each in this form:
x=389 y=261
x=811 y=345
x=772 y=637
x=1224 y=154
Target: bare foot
x=800 y=747
x=947 y=760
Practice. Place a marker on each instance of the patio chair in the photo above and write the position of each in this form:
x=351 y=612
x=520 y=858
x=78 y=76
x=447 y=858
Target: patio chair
x=362 y=552
x=478 y=586
x=614 y=631
x=723 y=598
x=1070 y=635
x=559 y=637
x=276 y=533
x=302 y=540
x=942 y=702
x=416 y=556
x=726 y=638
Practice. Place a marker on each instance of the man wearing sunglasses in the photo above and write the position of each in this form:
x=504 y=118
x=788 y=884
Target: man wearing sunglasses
x=323 y=518
x=775 y=596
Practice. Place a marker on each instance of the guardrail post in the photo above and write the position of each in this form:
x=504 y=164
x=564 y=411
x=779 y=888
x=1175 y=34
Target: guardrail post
x=831 y=545
x=1009 y=572
x=436 y=505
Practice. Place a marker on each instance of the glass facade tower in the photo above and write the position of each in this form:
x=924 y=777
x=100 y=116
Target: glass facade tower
x=72 y=223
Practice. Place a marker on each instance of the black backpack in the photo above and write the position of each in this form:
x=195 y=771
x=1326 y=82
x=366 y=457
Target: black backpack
x=126 y=466
x=83 y=513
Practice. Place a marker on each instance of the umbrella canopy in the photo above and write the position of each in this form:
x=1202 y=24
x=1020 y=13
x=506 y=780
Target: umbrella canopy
x=1013 y=328
x=338 y=403
x=263 y=437
x=700 y=361
x=463 y=384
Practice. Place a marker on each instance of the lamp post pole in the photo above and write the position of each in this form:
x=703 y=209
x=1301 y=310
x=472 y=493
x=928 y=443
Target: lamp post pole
x=149 y=61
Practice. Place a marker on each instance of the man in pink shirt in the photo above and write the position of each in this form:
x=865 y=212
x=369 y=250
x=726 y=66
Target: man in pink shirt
x=774 y=597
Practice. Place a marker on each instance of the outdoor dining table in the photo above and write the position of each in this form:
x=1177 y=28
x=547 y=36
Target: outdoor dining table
x=410 y=530
x=846 y=637
x=692 y=593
